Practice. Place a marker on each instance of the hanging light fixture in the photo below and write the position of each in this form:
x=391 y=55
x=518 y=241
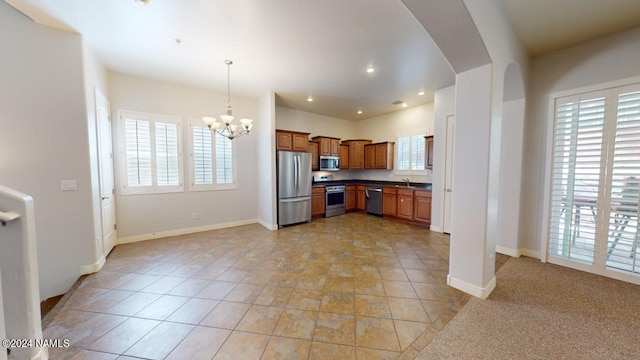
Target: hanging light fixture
x=227 y=128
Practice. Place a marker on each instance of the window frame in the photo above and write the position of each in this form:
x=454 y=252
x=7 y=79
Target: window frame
x=214 y=186
x=410 y=134
x=152 y=118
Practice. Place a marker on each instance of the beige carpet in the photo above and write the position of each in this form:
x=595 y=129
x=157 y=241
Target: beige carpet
x=544 y=311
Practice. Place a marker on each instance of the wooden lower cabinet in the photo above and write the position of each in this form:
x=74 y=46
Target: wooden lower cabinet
x=317 y=201
x=422 y=206
x=360 y=198
x=389 y=206
x=405 y=204
x=350 y=198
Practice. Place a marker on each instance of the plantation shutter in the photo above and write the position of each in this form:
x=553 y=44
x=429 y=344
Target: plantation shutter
x=138 y=152
x=403 y=153
x=167 y=154
x=202 y=156
x=576 y=176
x=224 y=160
x=417 y=152
x=622 y=252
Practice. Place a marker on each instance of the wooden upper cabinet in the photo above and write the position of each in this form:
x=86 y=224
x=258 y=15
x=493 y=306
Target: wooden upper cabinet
x=292 y=141
x=422 y=206
x=370 y=156
x=356 y=152
x=428 y=156
x=328 y=146
x=335 y=147
x=344 y=156
x=315 y=159
x=384 y=155
x=379 y=156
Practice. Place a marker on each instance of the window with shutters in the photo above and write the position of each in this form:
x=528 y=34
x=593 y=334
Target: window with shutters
x=594 y=185
x=152 y=154
x=212 y=165
x=410 y=150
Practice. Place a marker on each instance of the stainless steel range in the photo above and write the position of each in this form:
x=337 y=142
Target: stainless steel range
x=334 y=196
x=334 y=200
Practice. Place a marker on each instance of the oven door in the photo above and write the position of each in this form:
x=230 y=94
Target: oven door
x=335 y=199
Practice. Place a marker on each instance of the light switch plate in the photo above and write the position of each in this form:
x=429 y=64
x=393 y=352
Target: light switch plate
x=68 y=185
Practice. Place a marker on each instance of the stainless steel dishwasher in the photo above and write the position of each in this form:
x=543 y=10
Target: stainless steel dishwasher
x=373 y=200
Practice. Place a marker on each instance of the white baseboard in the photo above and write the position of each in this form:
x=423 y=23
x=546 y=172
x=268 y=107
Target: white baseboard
x=479 y=292
x=435 y=228
x=530 y=253
x=93 y=268
x=508 y=251
x=163 y=234
x=267 y=225
x=518 y=252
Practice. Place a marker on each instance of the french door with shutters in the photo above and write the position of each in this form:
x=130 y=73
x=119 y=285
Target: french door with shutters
x=595 y=177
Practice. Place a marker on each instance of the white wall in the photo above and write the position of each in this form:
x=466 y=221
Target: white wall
x=145 y=215
x=444 y=104
x=316 y=124
x=95 y=78
x=598 y=61
x=266 y=177
x=43 y=140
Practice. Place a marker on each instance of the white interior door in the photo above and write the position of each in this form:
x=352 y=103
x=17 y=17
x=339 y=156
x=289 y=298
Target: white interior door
x=448 y=174
x=107 y=189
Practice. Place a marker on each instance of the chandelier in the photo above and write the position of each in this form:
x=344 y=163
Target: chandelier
x=227 y=128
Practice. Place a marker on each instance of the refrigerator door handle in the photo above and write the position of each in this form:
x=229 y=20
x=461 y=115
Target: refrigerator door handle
x=298 y=199
x=297 y=173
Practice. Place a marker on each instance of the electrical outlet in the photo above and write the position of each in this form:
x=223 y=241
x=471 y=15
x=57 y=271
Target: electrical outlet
x=194 y=216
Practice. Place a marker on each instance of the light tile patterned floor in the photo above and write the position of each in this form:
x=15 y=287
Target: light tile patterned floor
x=347 y=287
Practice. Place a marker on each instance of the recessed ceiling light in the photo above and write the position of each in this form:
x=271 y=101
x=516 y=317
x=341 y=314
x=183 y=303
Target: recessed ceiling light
x=370 y=69
x=359 y=112
x=404 y=104
x=421 y=93
x=309 y=99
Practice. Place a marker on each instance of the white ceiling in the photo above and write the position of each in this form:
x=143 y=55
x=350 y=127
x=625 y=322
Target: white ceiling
x=297 y=48
x=301 y=48
x=548 y=25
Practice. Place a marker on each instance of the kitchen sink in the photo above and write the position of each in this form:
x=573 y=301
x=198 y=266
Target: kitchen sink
x=405 y=187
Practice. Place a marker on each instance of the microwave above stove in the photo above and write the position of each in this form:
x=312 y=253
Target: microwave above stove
x=329 y=163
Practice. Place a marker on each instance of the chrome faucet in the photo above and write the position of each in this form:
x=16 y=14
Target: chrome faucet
x=406 y=181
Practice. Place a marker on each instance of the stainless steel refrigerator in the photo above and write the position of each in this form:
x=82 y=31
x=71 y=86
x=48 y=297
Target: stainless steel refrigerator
x=294 y=187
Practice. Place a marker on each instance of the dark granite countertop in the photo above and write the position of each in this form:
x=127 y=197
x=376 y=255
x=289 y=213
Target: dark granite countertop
x=413 y=185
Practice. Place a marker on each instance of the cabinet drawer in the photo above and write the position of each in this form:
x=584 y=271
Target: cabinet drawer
x=360 y=187
x=317 y=190
x=405 y=192
x=389 y=190
x=422 y=193
x=350 y=188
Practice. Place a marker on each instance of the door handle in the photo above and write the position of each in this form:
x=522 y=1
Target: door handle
x=366 y=192
x=448 y=190
x=105 y=198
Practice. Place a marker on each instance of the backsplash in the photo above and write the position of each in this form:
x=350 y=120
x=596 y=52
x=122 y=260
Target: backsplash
x=382 y=175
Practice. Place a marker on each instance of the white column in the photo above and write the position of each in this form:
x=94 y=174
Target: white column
x=472 y=260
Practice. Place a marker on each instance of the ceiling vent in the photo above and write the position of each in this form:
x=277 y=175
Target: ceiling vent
x=397 y=102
